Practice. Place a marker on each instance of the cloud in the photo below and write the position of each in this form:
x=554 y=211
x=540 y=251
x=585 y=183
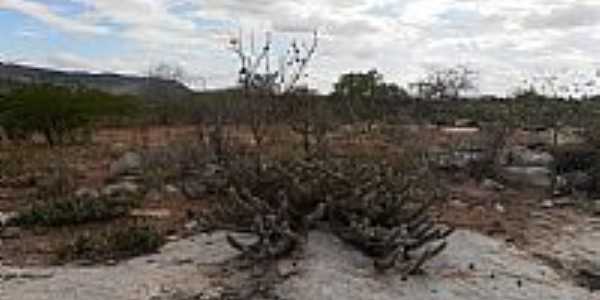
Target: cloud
x=565 y=17
x=45 y=14
x=506 y=40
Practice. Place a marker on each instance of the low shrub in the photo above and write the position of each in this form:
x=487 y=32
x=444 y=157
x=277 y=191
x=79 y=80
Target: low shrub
x=112 y=244
x=74 y=211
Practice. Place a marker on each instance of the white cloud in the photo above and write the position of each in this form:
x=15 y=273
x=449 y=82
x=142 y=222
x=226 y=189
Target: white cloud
x=45 y=14
x=506 y=39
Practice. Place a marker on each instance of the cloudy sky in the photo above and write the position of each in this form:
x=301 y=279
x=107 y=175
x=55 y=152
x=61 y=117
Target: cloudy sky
x=507 y=41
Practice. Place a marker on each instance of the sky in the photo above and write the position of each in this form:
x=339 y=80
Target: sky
x=506 y=41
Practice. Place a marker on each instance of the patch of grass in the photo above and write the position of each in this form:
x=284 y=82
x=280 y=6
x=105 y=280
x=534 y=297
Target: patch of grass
x=112 y=244
x=74 y=211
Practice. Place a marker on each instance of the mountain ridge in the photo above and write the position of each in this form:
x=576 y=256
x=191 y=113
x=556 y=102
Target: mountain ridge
x=114 y=83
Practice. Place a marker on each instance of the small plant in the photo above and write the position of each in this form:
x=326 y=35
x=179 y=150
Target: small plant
x=73 y=211
x=112 y=244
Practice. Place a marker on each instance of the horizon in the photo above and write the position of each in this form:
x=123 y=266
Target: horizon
x=507 y=43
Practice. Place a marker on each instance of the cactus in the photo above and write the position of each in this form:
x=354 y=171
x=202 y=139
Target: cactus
x=380 y=211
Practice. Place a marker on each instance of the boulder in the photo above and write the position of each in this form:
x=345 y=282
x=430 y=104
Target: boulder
x=539 y=177
x=492 y=185
x=122 y=188
x=523 y=156
x=129 y=163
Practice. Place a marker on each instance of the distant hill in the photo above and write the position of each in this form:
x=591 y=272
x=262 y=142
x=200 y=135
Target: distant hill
x=11 y=74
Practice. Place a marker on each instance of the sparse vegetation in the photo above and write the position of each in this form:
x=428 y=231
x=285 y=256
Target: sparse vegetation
x=112 y=244
x=385 y=172
x=73 y=211
x=57 y=113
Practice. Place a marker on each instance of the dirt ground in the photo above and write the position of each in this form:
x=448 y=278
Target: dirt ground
x=512 y=215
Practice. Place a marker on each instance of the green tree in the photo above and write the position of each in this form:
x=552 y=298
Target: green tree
x=56 y=112
x=358 y=84
x=367 y=97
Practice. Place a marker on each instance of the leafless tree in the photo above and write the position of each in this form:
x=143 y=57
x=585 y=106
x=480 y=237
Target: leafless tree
x=446 y=83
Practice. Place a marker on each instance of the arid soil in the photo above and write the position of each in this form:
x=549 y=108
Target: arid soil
x=507 y=232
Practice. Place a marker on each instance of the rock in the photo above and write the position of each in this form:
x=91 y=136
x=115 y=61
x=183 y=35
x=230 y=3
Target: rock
x=333 y=271
x=123 y=188
x=6 y=218
x=9 y=233
x=547 y=204
x=458 y=203
x=202 y=181
x=539 y=177
x=171 y=189
x=153 y=196
x=492 y=185
x=465 y=123
x=173 y=193
x=194 y=189
x=563 y=202
x=525 y=157
x=111 y=262
x=210 y=170
x=87 y=193
x=460 y=130
x=456 y=159
x=328 y=269
x=151 y=213
x=129 y=163
x=192 y=225
x=500 y=208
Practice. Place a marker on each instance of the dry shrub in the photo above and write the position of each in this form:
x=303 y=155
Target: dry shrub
x=112 y=244
x=170 y=163
x=381 y=210
x=74 y=211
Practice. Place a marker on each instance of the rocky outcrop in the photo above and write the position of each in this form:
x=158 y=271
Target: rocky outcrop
x=474 y=267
